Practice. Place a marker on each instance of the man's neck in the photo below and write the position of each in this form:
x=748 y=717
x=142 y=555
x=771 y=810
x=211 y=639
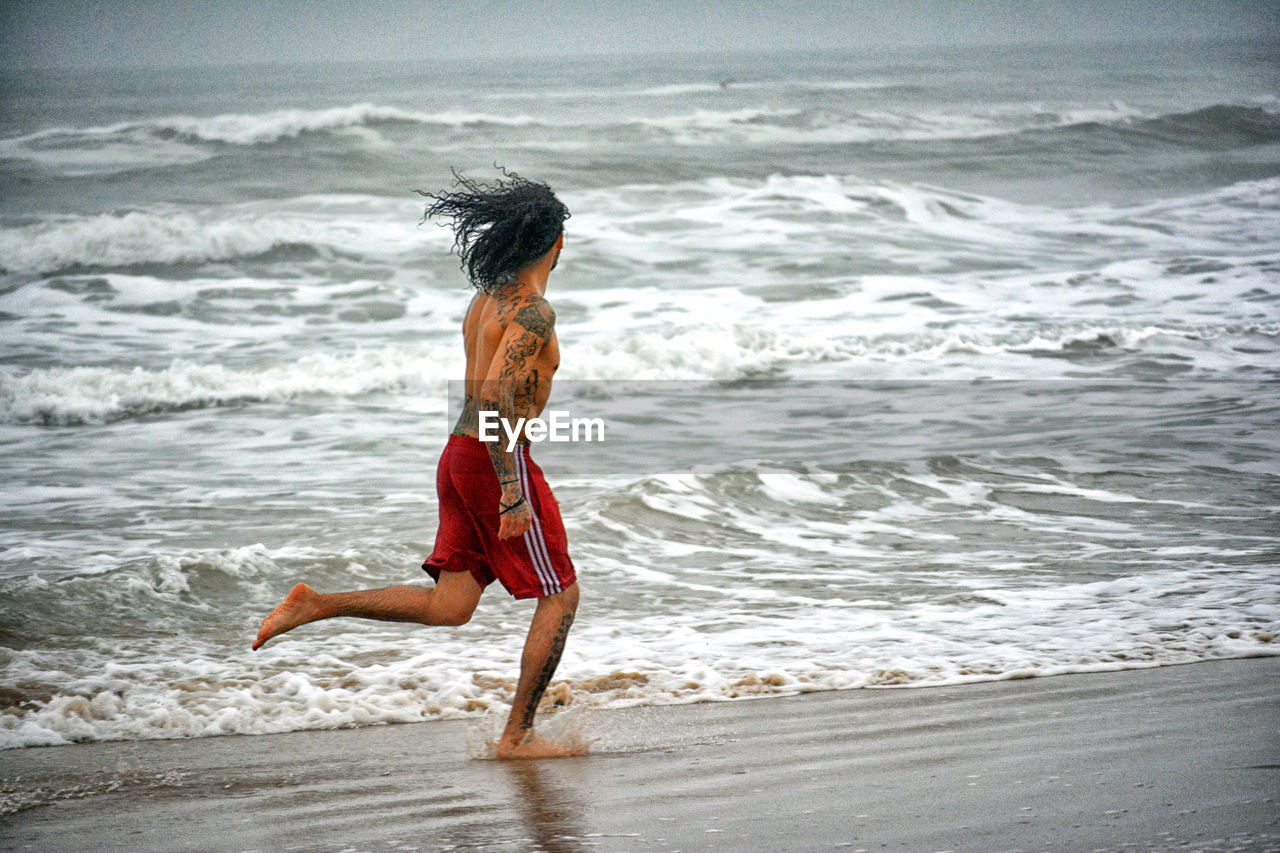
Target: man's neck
x=534 y=277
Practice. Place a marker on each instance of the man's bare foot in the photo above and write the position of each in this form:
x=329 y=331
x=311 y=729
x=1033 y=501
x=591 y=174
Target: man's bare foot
x=533 y=746
x=299 y=607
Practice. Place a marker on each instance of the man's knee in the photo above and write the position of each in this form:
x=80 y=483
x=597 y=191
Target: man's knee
x=453 y=610
x=567 y=599
x=452 y=616
x=454 y=599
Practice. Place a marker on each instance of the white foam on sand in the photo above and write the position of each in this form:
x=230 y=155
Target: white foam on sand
x=775 y=609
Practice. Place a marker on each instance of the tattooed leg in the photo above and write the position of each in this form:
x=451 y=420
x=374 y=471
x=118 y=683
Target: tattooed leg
x=542 y=651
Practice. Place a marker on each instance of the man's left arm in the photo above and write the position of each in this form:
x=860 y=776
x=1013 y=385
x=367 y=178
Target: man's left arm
x=513 y=372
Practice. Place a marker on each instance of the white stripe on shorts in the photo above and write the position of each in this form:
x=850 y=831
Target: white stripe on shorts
x=533 y=538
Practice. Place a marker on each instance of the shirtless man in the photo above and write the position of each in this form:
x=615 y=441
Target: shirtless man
x=498 y=518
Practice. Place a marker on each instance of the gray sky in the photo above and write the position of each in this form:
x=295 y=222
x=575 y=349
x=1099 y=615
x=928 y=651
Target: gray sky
x=114 y=33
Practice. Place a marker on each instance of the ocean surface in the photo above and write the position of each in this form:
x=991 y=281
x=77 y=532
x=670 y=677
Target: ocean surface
x=916 y=368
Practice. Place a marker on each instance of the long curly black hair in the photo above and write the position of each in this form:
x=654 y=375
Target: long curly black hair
x=499 y=228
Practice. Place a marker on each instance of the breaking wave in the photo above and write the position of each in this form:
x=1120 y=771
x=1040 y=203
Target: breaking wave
x=91 y=395
x=159 y=236
x=86 y=395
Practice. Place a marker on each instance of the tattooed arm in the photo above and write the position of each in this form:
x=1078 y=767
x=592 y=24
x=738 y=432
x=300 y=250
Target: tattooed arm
x=508 y=389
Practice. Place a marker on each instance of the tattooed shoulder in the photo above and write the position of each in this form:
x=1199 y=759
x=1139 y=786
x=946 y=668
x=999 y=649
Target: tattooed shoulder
x=505 y=306
x=537 y=316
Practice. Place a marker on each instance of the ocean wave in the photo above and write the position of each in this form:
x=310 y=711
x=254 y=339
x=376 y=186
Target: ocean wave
x=725 y=85
x=90 y=395
x=732 y=210
x=1217 y=127
x=182 y=139
x=918 y=227
x=732 y=351
x=161 y=236
x=248 y=128
x=113 y=240
x=712 y=120
x=1221 y=125
x=257 y=129
x=801 y=126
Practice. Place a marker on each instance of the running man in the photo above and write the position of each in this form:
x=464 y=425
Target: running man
x=498 y=518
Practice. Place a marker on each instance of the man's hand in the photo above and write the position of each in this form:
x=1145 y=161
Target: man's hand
x=515 y=516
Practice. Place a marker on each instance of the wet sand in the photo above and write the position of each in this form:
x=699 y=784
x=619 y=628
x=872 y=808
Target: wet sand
x=1178 y=757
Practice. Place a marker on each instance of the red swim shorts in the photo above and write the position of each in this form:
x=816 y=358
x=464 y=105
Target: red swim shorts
x=531 y=566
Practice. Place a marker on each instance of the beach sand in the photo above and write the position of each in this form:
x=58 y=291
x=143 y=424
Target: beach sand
x=1182 y=757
